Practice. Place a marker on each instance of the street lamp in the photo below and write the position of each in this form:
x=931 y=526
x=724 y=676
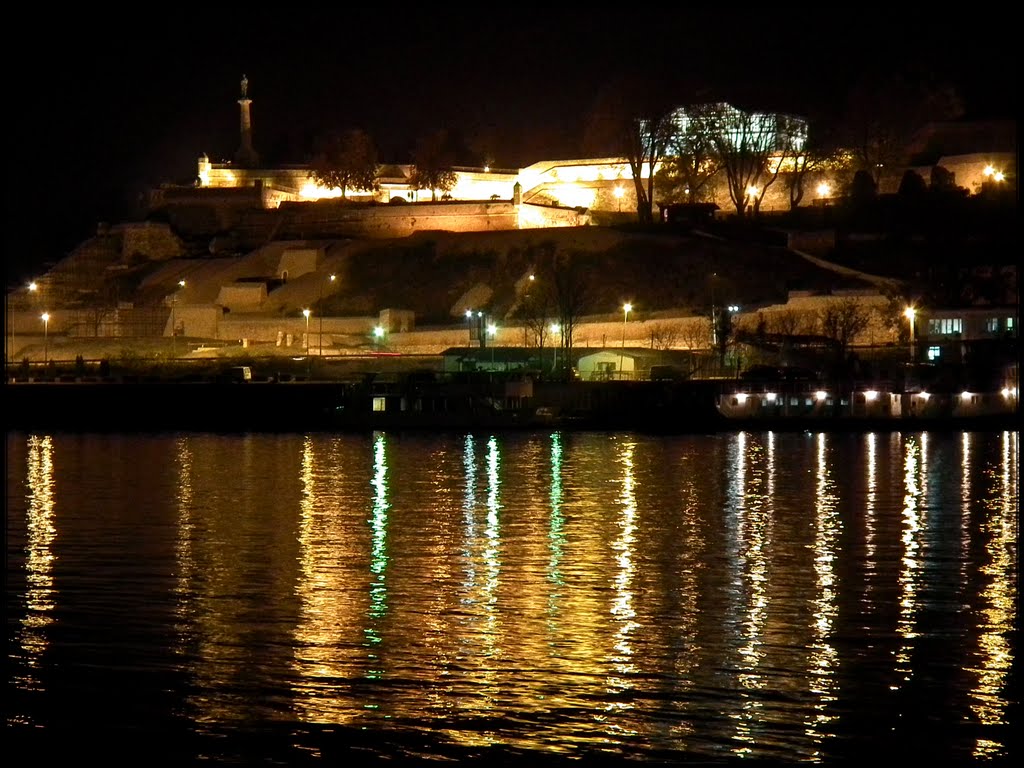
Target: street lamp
x=555 y=330
x=910 y=313
x=378 y=334
x=46 y=336
x=305 y=314
x=319 y=298
x=626 y=309
x=174 y=330
x=619 y=192
x=492 y=331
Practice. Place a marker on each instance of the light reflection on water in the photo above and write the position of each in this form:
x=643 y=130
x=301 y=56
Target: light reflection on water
x=783 y=596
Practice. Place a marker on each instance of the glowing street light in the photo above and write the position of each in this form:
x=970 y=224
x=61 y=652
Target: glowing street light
x=824 y=190
x=991 y=173
x=619 y=192
x=320 y=340
x=306 y=313
x=752 y=195
x=910 y=313
x=45 y=317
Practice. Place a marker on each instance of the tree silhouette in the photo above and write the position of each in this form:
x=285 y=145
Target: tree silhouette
x=433 y=160
x=346 y=161
x=632 y=119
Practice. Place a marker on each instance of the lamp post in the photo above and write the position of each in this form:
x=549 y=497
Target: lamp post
x=378 y=334
x=555 y=330
x=910 y=313
x=492 y=331
x=619 y=192
x=626 y=309
x=320 y=339
x=174 y=330
x=305 y=314
x=46 y=336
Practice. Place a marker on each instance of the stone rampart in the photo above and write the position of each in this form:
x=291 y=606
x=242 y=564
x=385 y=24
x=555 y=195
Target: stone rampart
x=399 y=220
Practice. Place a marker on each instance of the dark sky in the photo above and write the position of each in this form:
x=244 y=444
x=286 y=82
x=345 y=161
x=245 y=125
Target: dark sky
x=102 y=106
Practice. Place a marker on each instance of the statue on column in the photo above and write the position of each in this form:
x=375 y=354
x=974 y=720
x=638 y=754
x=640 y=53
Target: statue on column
x=245 y=86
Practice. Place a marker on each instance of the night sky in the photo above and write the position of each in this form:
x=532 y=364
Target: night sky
x=102 y=107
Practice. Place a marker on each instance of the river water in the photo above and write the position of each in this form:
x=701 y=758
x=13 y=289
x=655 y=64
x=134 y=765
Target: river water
x=309 y=599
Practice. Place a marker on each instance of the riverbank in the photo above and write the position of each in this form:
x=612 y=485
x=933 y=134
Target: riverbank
x=460 y=403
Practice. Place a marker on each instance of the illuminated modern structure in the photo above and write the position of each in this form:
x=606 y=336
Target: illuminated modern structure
x=776 y=132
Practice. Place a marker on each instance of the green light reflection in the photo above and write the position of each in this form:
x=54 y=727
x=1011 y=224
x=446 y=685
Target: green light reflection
x=556 y=523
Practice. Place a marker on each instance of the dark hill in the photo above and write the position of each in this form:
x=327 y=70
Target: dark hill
x=431 y=272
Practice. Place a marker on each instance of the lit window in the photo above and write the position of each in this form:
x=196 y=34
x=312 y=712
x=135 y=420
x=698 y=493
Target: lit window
x=934 y=353
x=992 y=325
x=945 y=326
x=1009 y=323
x=379 y=403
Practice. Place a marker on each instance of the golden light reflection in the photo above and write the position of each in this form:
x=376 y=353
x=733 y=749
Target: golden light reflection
x=823 y=655
x=491 y=530
x=734 y=531
x=623 y=612
x=692 y=568
x=998 y=619
x=908 y=578
x=480 y=614
x=755 y=524
x=186 y=560
x=870 y=502
x=965 y=504
x=327 y=623
x=40 y=594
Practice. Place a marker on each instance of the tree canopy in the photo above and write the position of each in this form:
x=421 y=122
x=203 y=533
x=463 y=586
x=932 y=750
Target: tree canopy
x=345 y=161
x=432 y=164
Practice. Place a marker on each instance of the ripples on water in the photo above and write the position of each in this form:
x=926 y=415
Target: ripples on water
x=284 y=598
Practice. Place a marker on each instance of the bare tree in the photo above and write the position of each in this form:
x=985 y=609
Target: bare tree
x=789 y=322
x=536 y=308
x=570 y=288
x=689 y=164
x=346 y=161
x=632 y=120
x=695 y=333
x=744 y=142
x=843 y=320
x=819 y=154
x=886 y=111
x=664 y=335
